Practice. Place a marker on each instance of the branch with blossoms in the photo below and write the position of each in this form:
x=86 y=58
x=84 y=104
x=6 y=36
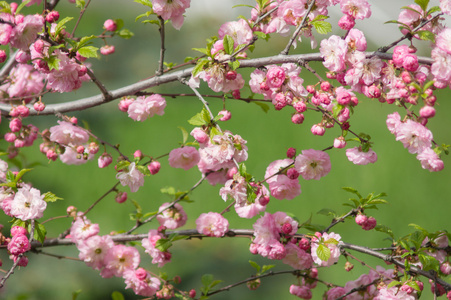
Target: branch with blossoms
x=47 y=55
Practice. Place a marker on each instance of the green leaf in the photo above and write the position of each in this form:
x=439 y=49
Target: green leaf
x=143 y=170
x=433 y=10
x=202 y=50
x=322 y=27
x=146 y=14
x=417 y=238
x=267 y=268
x=417 y=227
x=86 y=40
x=426 y=35
x=88 y=51
x=255 y=266
x=155 y=22
x=352 y=190
x=51 y=197
x=207 y=279
x=201 y=63
x=184 y=134
x=234 y=64
x=263 y=106
x=122 y=165
x=119 y=23
x=377 y=201
x=61 y=25
x=197 y=120
x=22 y=5
x=327 y=212
x=214 y=132
x=429 y=262
x=117 y=295
x=261 y=35
x=19 y=222
x=385 y=229
x=414 y=285
x=125 y=34
x=169 y=190
x=393 y=283
x=20 y=174
x=53 y=62
x=228 y=43
x=163 y=244
x=75 y=294
x=144 y=2
x=331 y=241
x=423 y=4
x=80 y=3
x=39 y=232
x=323 y=252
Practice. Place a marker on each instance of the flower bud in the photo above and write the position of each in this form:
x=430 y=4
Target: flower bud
x=110 y=25
x=154 y=167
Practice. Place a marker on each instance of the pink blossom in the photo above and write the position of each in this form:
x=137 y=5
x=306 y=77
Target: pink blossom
x=149 y=243
x=414 y=136
x=238 y=30
x=141 y=282
x=280 y=185
x=19 y=244
x=333 y=51
x=93 y=250
x=118 y=259
x=275 y=77
x=235 y=188
x=71 y=157
x=185 y=158
x=313 y=164
x=154 y=167
x=32 y=2
x=358 y=9
x=335 y=293
x=144 y=107
x=393 y=293
x=173 y=217
x=25 y=81
x=411 y=17
x=124 y=104
x=200 y=135
x=249 y=210
x=107 y=50
x=393 y=121
x=24 y=33
x=67 y=133
x=6 y=29
x=226 y=115
x=133 y=178
x=212 y=224
x=291 y=11
x=441 y=66
x=443 y=40
x=359 y=157
x=121 y=197
x=430 y=160
x=445 y=6
x=302 y=292
x=105 y=160
x=346 y=22
x=110 y=25
x=82 y=229
x=67 y=77
x=18 y=230
x=171 y=10
x=297 y=258
x=28 y=204
x=330 y=241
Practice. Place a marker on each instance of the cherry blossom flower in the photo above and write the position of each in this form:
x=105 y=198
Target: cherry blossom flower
x=185 y=158
x=171 y=10
x=445 y=6
x=330 y=241
x=358 y=9
x=238 y=30
x=93 y=250
x=394 y=293
x=335 y=293
x=414 y=136
x=149 y=243
x=359 y=157
x=313 y=164
x=144 y=107
x=19 y=244
x=235 y=188
x=280 y=186
x=25 y=81
x=302 y=292
x=28 y=204
x=82 y=229
x=68 y=76
x=133 y=178
x=430 y=160
x=297 y=258
x=118 y=259
x=141 y=282
x=24 y=33
x=67 y=133
x=333 y=51
x=212 y=224
x=173 y=217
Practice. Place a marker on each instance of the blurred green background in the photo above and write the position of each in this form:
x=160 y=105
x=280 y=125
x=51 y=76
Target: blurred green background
x=415 y=195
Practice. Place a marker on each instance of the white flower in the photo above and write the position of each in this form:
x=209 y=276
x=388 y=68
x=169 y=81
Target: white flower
x=133 y=178
x=28 y=204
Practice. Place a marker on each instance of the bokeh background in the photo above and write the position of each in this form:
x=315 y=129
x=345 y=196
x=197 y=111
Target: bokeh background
x=415 y=195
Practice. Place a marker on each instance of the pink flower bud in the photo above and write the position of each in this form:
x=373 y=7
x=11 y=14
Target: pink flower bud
x=39 y=106
x=226 y=115
x=297 y=118
x=346 y=22
x=80 y=149
x=105 y=160
x=231 y=75
x=445 y=268
x=311 y=89
x=3 y=56
x=10 y=137
x=138 y=154
x=13 y=7
x=410 y=62
x=348 y=266
x=431 y=100
x=71 y=210
x=236 y=94
x=74 y=120
x=177 y=279
x=192 y=293
x=231 y=172
x=18 y=230
x=107 y=50
x=291 y=152
x=52 y=16
x=427 y=112
x=300 y=106
x=264 y=200
x=292 y=174
x=287 y=228
x=51 y=154
x=304 y=244
x=325 y=86
x=80 y=57
x=339 y=142
x=361 y=219
x=407 y=289
x=19 y=244
x=23 y=261
x=370 y=224
x=110 y=25
x=420 y=284
x=318 y=129
x=19 y=143
x=124 y=104
x=448 y=295
x=82 y=70
x=93 y=148
x=121 y=197
x=15 y=125
x=254 y=284
x=154 y=167
x=22 y=57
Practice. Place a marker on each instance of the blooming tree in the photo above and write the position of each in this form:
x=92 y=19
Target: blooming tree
x=42 y=55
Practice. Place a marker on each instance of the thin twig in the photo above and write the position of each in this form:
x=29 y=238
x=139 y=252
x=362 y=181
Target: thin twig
x=162 y=48
x=79 y=17
x=101 y=197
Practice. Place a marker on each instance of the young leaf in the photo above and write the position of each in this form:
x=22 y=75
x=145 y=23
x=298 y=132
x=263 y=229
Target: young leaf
x=125 y=34
x=207 y=279
x=163 y=244
x=201 y=63
x=255 y=265
x=322 y=27
x=267 y=268
x=228 y=44
x=263 y=106
x=197 y=120
x=352 y=190
x=39 y=232
x=169 y=190
x=61 y=25
x=184 y=134
x=144 y=2
x=323 y=252
x=117 y=296
x=51 y=197
x=75 y=294
x=393 y=283
x=327 y=212
x=429 y=262
x=385 y=229
x=423 y=4
x=20 y=174
x=88 y=51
